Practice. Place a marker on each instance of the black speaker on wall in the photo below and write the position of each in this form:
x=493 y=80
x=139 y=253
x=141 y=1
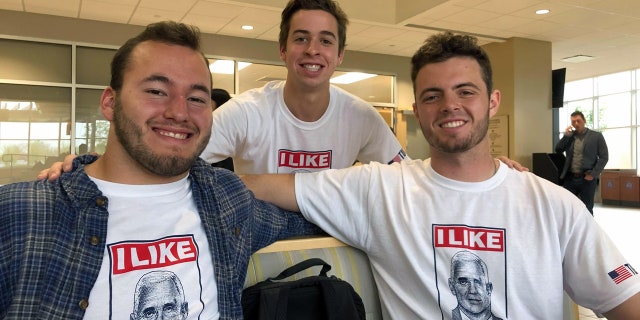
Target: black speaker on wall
x=557 y=87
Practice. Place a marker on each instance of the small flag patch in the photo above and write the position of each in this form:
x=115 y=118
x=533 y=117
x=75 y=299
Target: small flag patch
x=622 y=273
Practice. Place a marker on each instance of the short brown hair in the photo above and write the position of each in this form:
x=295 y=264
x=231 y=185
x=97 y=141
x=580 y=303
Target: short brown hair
x=329 y=6
x=168 y=32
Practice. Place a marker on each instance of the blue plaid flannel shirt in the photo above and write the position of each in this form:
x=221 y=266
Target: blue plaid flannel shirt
x=52 y=239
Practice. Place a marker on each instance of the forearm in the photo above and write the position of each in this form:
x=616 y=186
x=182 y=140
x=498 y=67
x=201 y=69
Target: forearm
x=563 y=144
x=278 y=189
x=629 y=309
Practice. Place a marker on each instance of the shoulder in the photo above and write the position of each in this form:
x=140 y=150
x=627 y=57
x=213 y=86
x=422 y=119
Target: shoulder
x=271 y=90
x=347 y=99
x=258 y=99
x=36 y=198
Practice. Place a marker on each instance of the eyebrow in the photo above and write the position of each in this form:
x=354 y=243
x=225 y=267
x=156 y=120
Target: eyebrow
x=458 y=86
x=323 y=32
x=164 y=79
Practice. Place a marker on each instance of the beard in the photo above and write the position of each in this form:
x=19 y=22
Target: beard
x=454 y=145
x=129 y=135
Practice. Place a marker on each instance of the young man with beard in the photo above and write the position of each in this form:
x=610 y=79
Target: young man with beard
x=412 y=217
x=75 y=248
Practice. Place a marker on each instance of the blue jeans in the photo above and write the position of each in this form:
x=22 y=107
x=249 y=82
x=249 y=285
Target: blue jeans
x=583 y=189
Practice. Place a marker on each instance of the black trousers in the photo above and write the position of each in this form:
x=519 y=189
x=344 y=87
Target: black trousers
x=583 y=189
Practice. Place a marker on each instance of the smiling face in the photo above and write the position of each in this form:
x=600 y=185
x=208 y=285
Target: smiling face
x=452 y=104
x=162 y=115
x=312 y=50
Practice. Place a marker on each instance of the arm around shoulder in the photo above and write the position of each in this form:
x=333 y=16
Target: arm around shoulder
x=278 y=189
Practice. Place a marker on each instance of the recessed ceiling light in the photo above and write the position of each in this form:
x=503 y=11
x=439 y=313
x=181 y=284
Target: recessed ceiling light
x=247 y=27
x=577 y=58
x=543 y=11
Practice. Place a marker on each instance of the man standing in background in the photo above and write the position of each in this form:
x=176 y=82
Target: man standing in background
x=587 y=154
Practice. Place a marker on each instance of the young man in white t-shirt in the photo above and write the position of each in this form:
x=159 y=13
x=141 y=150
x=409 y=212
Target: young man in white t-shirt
x=302 y=124
x=414 y=219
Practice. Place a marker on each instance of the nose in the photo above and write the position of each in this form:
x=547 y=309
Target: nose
x=177 y=109
x=450 y=103
x=312 y=47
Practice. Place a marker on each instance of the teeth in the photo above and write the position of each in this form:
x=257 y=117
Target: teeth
x=174 y=135
x=452 y=124
x=312 y=67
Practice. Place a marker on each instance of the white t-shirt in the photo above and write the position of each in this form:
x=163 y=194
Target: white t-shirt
x=157 y=259
x=263 y=136
x=535 y=238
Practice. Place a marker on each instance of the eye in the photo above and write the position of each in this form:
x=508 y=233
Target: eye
x=326 y=42
x=156 y=92
x=430 y=98
x=299 y=39
x=198 y=100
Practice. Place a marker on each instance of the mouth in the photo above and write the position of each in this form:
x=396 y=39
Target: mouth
x=311 y=67
x=173 y=134
x=452 y=124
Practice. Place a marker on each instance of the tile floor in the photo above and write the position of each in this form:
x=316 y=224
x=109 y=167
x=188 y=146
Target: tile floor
x=621 y=224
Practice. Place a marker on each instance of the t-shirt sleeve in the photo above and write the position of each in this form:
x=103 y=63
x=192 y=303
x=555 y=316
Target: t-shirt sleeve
x=596 y=274
x=228 y=131
x=381 y=144
x=336 y=201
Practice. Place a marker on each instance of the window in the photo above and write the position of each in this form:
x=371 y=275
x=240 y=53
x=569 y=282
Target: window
x=609 y=104
x=50 y=99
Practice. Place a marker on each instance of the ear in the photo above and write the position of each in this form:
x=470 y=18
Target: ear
x=283 y=52
x=494 y=103
x=107 y=103
x=340 y=56
x=415 y=111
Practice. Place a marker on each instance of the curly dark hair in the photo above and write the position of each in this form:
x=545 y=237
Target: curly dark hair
x=444 y=46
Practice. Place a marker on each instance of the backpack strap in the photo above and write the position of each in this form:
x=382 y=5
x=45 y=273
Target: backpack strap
x=301 y=266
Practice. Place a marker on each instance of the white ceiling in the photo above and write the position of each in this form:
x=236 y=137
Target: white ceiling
x=608 y=30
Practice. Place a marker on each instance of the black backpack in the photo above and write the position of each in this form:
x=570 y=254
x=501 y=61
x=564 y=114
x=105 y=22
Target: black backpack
x=312 y=298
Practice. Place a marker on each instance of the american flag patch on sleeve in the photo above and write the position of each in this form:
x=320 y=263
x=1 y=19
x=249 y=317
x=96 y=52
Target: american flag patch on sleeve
x=622 y=273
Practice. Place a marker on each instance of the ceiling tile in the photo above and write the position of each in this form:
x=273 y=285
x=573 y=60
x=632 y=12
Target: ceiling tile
x=181 y=6
x=377 y=32
x=471 y=17
x=11 y=5
x=505 y=7
x=270 y=35
x=68 y=8
x=259 y=16
x=206 y=24
x=220 y=10
x=144 y=16
x=105 y=11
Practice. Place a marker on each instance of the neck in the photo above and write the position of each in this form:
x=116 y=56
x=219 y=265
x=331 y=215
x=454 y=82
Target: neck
x=306 y=105
x=466 y=166
x=121 y=168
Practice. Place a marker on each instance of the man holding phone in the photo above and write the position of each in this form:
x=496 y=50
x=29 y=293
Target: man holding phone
x=587 y=154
